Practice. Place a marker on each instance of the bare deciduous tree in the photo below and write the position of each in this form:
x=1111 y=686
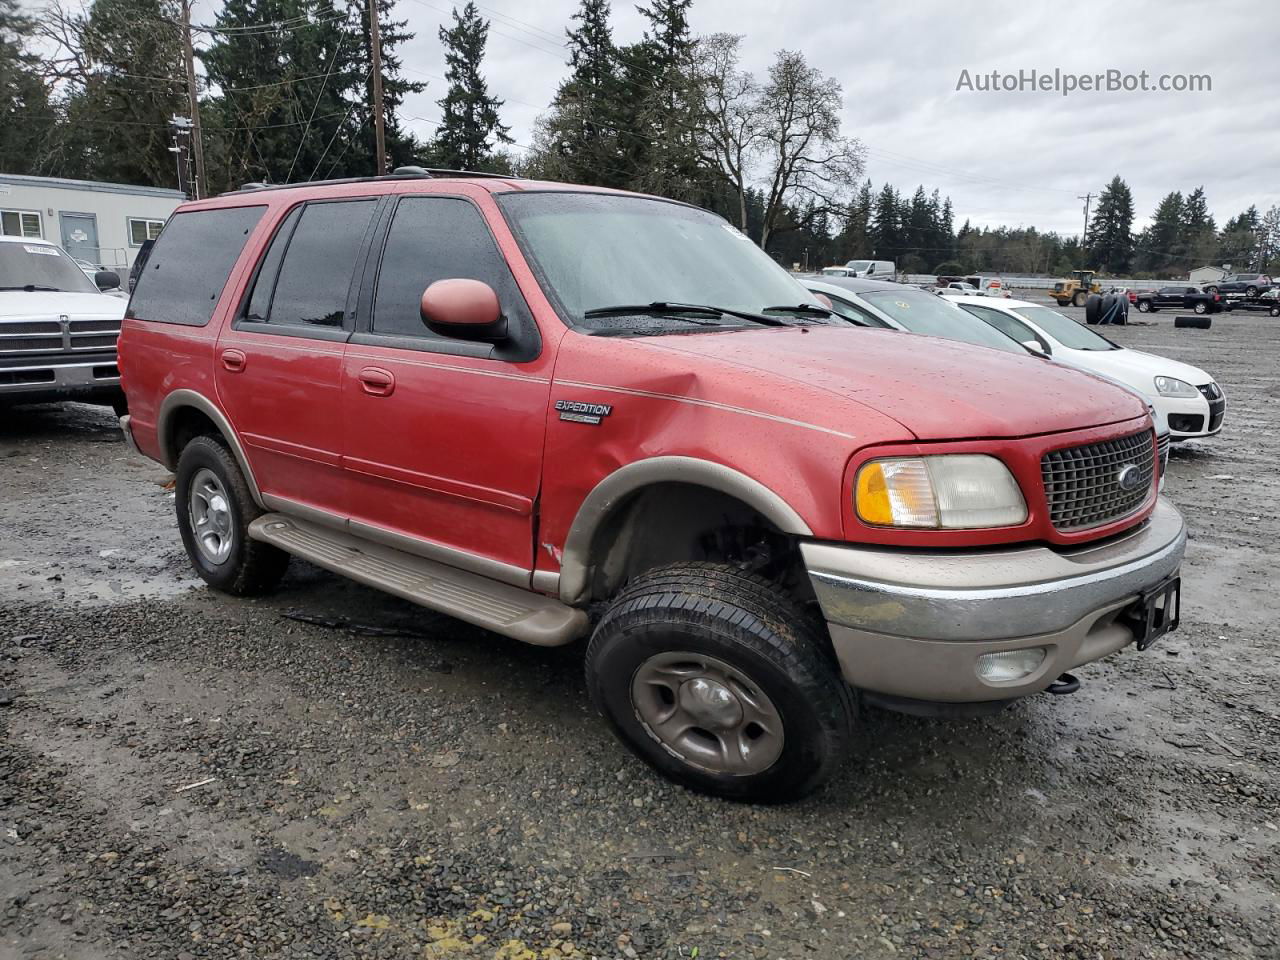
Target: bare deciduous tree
x=807 y=160
x=728 y=126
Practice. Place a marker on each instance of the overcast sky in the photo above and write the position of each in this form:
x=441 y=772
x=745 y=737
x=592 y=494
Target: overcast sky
x=1017 y=158
x=1020 y=158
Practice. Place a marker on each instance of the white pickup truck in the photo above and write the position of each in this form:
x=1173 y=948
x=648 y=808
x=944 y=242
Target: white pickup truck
x=58 y=329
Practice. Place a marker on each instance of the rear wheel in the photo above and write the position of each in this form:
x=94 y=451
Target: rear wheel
x=717 y=679
x=1250 y=292
x=215 y=509
x=1201 y=307
x=1210 y=289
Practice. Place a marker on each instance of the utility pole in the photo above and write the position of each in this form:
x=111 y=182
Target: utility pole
x=197 y=146
x=379 y=128
x=1084 y=236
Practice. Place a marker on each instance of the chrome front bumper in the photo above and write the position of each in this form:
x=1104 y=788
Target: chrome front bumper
x=913 y=623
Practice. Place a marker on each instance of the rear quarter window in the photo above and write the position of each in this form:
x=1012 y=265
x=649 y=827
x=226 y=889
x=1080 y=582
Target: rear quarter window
x=190 y=263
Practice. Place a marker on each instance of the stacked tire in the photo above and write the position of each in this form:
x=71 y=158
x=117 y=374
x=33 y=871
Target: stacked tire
x=1104 y=310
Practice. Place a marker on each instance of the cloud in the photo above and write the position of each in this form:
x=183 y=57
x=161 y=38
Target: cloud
x=1015 y=158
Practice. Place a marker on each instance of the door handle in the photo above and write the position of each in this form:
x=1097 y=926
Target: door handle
x=377 y=382
x=234 y=360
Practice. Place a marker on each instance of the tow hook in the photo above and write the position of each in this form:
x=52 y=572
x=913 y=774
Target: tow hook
x=1063 y=685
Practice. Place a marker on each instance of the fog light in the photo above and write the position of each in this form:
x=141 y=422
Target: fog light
x=1010 y=664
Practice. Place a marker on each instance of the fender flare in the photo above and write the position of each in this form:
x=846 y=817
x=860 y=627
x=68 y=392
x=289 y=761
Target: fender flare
x=575 y=563
x=180 y=399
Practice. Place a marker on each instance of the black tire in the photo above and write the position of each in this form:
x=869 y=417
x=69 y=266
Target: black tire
x=119 y=405
x=1250 y=292
x=746 y=621
x=1274 y=311
x=1078 y=298
x=1144 y=306
x=1201 y=307
x=250 y=567
x=1093 y=309
x=1210 y=289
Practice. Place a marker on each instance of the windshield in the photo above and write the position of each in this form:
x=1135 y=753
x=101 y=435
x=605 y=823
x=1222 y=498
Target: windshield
x=1075 y=336
x=859 y=265
x=42 y=267
x=926 y=313
x=594 y=251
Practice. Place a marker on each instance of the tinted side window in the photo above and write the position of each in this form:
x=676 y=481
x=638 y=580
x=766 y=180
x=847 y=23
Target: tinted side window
x=847 y=310
x=438 y=238
x=315 y=277
x=1006 y=324
x=265 y=284
x=190 y=263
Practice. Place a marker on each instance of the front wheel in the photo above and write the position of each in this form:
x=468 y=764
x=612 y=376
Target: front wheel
x=1079 y=299
x=1144 y=306
x=215 y=509
x=716 y=679
x=1250 y=292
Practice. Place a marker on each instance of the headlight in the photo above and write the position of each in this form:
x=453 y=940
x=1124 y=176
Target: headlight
x=951 y=491
x=1173 y=387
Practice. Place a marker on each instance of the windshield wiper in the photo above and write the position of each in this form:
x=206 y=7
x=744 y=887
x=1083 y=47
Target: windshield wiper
x=807 y=309
x=33 y=287
x=661 y=307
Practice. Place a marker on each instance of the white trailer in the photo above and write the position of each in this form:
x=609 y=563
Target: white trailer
x=103 y=224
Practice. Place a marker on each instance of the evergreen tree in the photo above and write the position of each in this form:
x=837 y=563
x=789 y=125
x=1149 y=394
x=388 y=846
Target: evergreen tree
x=886 y=236
x=1110 y=239
x=1158 y=248
x=1240 y=241
x=25 y=113
x=854 y=242
x=578 y=136
x=1197 y=239
x=471 y=127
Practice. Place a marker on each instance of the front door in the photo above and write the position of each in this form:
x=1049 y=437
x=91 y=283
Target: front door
x=80 y=236
x=444 y=436
x=279 y=364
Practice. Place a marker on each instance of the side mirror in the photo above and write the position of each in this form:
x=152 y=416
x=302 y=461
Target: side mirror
x=1038 y=348
x=107 y=280
x=467 y=309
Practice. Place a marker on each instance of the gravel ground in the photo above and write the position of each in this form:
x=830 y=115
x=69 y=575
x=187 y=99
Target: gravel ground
x=184 y=774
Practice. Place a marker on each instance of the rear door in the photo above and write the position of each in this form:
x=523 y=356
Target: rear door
x=279 y=364
x=444 y=436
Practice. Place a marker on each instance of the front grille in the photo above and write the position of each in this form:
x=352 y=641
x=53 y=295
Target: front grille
x=25 y=338
x=1082 y=484
x=1217 y=410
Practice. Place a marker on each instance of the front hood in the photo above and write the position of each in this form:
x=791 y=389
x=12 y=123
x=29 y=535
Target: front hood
x=1138 y=369
x=937 y=389
x=46 y=303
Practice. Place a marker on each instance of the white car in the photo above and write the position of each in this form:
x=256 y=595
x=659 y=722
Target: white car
x=1185 y=395
x=58 y=330
x=869 y=303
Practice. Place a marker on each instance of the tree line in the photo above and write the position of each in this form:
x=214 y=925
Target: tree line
x=285 y=94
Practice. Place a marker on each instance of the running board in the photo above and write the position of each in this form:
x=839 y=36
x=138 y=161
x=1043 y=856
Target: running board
x=500 y=607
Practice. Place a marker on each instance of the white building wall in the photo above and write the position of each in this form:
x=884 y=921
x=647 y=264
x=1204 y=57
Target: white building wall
x=71 y=212
x=1206 y=275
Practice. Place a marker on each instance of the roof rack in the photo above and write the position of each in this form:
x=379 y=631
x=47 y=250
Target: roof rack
x=400 y=173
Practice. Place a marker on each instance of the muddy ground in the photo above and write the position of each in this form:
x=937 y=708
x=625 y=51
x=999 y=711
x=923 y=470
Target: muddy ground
x=184 y=774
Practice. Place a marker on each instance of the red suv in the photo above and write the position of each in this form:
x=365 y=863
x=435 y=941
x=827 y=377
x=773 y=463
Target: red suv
x=560 y=412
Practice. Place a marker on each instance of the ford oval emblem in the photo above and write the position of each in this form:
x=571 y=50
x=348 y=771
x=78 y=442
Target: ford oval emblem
x=1129 y=477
